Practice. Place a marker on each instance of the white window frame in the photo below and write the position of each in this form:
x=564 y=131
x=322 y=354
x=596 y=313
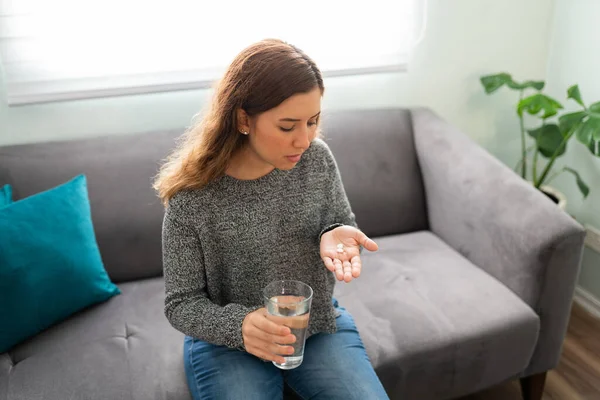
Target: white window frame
x=49 y=89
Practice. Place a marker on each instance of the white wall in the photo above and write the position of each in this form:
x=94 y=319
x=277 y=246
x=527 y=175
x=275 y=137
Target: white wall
x=574 y=57
x=464 y=39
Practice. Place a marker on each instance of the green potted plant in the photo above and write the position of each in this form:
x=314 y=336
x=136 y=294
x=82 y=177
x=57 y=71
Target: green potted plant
x=548 y=140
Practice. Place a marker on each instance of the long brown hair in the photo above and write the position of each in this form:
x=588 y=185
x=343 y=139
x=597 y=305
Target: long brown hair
x=260 y=77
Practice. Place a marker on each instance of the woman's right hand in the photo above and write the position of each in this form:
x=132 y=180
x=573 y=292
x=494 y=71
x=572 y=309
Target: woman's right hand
x=265 y=338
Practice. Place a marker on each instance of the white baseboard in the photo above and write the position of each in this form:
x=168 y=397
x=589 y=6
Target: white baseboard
x=587 y=301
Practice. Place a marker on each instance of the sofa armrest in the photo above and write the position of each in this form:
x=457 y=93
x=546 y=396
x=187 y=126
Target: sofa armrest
x=502 y=224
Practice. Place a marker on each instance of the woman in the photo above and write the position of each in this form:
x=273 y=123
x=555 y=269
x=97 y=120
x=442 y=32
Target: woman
x=252 y=195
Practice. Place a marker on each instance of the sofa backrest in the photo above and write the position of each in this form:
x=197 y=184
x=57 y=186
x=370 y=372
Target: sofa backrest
x=126 y=212
x=377 y=160
x=374 y=150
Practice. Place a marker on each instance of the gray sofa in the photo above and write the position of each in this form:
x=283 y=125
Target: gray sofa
x=472 y=285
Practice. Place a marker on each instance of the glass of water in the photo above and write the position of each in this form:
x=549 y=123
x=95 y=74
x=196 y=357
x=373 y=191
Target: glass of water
x=290 y=302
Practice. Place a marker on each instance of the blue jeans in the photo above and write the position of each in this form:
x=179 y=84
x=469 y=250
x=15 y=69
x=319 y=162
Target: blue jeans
x=335 y=366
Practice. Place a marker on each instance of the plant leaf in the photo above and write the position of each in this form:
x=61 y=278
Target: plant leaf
x=594 y=148
x=567 y=121
x=534 y=133
x=595 y=123
x=574 y=93
x=538 y=85
x=528 y=103
x=538 y=102
x=549 y=139
x=589 y=130
x=595 y=108
x=491 y=83
x=583 y=188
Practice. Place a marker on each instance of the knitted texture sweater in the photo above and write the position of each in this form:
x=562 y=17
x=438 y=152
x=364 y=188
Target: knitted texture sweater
x=223 y=243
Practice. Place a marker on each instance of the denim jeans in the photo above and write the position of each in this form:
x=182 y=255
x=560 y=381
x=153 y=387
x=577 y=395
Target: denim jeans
x=335 y=366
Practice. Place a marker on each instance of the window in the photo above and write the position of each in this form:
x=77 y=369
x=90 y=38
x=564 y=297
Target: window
x=73 y=49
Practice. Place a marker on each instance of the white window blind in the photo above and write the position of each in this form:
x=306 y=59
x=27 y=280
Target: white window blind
x=54 y=50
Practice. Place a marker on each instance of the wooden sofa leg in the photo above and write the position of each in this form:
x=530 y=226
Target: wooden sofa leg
x=532 y=387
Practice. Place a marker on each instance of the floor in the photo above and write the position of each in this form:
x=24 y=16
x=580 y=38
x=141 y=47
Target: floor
x=577 y=376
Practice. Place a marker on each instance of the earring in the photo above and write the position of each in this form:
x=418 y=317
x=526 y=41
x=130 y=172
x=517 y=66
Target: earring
x=244 y=132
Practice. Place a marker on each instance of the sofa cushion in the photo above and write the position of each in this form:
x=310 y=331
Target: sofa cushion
x=121 y=349
x=50 y=265
x=426 y=314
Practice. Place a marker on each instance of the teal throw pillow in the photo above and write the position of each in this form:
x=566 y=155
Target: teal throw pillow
x=50 y=264
x=5 y=195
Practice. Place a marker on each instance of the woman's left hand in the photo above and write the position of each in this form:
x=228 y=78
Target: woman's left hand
x=346 y=264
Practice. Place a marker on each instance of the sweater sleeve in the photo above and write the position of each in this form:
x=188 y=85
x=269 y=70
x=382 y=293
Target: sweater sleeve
x=338 y=211
x=187 y=306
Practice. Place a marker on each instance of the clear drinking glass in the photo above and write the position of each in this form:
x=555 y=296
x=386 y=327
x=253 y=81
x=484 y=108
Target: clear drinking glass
x=290 y=301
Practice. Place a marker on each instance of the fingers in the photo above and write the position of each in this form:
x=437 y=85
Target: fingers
x=271 y=327
x=272 y=348
x=370 y=244
x=288 y=339
x=266 y=339
x=347 y=271
x=339 y=269
x=329 y=263
x=364 y=240
x=356 y=266
x=265 y=355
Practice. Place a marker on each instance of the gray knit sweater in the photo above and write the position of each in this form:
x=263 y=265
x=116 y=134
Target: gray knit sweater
x=224 y=243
